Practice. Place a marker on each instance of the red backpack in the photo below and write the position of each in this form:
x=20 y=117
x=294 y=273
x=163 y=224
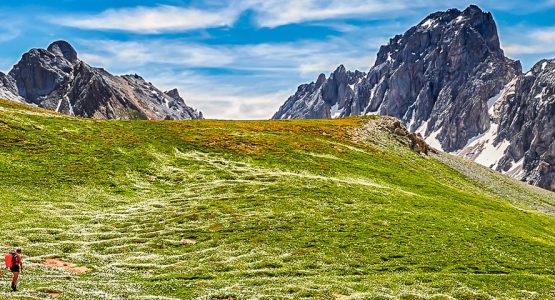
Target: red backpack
x=10 y=260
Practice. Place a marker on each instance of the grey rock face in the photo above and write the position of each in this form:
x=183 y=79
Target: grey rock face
x=57 y=79
x=39 y=73
x=437 y=77
x=63 y=49
x=177 y=101
x=8 y=88
x=527 y=122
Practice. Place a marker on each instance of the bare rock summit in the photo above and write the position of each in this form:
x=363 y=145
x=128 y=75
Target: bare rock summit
x=56 y=79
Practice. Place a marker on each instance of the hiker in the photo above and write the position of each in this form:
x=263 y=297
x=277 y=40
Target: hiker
x=16 y=266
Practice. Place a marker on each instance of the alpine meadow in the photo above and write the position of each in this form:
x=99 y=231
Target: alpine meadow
x=323 y=209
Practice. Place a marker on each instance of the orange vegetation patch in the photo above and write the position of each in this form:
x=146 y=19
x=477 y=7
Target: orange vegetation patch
x=68 y=267
x=259 y=137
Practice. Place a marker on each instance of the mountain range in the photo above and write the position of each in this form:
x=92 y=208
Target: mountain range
x=56 y=79
x=448 y=79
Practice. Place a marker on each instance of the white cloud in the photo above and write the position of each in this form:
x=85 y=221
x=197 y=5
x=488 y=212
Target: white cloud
x=268 y=13
x=109 y=53
x=218 y=97
x=300 y=57
x=545 y=35
x=535 y=41
x=152 y=19
x=11 y=27
x=9 y=34
x=273 y=13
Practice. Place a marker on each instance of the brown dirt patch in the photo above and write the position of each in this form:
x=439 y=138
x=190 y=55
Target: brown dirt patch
x=68 y=267
x=52 y=293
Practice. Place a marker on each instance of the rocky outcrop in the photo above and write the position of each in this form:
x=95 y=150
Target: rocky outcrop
x=39 y=73
x=55 y=78
x=447 y=78
x=63 y=49
x=412 y=139
x=379 y=130
x=177 y=101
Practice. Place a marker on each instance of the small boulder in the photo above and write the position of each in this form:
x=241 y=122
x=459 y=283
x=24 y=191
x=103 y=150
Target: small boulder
x=188 y=242
x=401 y=131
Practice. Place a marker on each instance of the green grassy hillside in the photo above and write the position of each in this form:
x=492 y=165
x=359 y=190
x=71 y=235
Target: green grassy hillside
x=330 y=209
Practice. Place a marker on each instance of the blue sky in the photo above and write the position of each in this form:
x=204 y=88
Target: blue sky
x=240 y=59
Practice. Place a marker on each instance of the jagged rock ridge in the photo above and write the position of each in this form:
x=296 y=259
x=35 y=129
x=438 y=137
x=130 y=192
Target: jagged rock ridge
x=323 y=98
x=521 y=140
x=448 y=79
x=55 y=78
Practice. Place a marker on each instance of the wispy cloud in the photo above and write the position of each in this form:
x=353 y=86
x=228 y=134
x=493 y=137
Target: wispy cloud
x=111 y=53
x=11 y=27
x=535 y=41
x=152 y=19
x=300 y=57
x=272 y=13
x=9 y=34
x=267 y=13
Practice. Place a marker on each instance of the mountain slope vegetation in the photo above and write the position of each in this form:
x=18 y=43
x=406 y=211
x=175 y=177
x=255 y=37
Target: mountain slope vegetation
x=203 y=209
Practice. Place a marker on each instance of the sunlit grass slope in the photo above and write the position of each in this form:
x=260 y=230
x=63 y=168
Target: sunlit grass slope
x=261 y=210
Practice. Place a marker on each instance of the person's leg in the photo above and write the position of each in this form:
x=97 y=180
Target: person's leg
x=14 y=281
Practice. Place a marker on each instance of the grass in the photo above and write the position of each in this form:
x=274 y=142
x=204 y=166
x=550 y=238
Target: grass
x=261 y=210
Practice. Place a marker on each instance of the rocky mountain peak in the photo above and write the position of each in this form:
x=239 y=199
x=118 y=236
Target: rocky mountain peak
x=321 y=79
x=39 y=72
x=323 y=98
x=448 y=79
x=63 y=49
x=544 y=66
x=340 y=70
x=472 y=29
x=174 y=94
x=55 y=78
x=448 y=63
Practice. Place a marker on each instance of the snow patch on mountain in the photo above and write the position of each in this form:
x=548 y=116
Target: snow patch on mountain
x=335 y=112
x=433 y=141
x=517 y=169
x=484 y=148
